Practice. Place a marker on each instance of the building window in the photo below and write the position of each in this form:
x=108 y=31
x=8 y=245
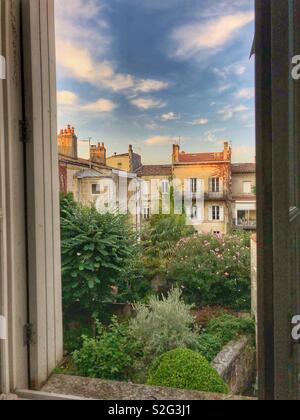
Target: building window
x=95 y=189
x=194 y=185
x=194 y=213
x=165 y=187
x=216 y=213
x=146 y=213
x=247 y=187
x=215 y=185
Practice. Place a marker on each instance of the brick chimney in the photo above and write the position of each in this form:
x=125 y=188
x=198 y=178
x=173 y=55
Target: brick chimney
x=68 y=142
x=98 y=154
x=227 y=151
x=131 y=158
x=175 y=155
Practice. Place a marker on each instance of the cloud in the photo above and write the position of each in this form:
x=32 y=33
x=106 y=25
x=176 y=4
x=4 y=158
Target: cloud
x=151 y=141
x=170 y=116
x=229 y=111
x=193 y=38
x=246 y=93
x=102 y=106
x=150 y=85
x=71 y=103
x=66 y=97
x=200 y=121
x=145 y=104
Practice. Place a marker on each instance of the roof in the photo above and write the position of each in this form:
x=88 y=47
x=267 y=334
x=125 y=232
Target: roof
x=90 y=174
x=155 y=170
x=243 y=168
x=200 y=157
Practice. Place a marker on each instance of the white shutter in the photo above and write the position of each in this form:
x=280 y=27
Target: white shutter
x=222 y=213
x=210 y=185
x=199 y=187
x=199 y=214
x=221 y=185
x=188 y=212
x=210 y=213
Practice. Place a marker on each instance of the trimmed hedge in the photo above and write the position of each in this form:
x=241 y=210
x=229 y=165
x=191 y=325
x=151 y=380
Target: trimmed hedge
x=186 y=369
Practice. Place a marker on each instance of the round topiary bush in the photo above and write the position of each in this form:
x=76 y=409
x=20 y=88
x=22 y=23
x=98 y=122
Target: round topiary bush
x=186 y=369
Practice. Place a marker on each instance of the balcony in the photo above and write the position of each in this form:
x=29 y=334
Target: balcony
x=244 y=224
x=216 y=196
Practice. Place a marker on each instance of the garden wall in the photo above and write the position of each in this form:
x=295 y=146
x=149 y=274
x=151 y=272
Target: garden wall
x=236 y=364
x=99 y=389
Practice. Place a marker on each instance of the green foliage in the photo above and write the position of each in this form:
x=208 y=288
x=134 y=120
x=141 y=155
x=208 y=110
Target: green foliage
x=185 y=369
x=160 y=236
x=163 y=325
x=98 y=251
x=108 y=356
x=214 y=270
x=73 y=338
x=220 y=331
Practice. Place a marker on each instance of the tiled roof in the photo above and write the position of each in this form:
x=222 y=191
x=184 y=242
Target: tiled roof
x=155 y=170
x=200 y=157
x=243 y=168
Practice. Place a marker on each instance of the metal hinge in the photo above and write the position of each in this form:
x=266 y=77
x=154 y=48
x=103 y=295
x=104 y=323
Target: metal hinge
x=28 y=334
x=23 y=131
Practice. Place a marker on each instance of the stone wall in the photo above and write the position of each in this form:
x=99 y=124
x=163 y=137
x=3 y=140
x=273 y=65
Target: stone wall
x=236 y=364
x=98 y=389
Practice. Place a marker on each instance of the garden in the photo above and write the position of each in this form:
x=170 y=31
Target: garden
x=162 y=340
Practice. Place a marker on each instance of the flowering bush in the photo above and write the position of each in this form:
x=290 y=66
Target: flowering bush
x=214 y=270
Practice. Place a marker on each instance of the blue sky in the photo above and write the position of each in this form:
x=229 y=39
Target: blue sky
x=148 y=72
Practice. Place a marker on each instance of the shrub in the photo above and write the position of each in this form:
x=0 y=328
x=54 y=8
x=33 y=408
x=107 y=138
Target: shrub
x=108 y=356
x=185 y=369
x=228 y=327
x=214 y=270
x=159 y=239
x=73 y=338
x=163 y=325
x=98 y=250
x=209 y=346
x=220 y=331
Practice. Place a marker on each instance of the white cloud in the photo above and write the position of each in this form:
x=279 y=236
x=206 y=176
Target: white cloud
x=102 y=106
x=151 y=141
x=150 y=85
x=65 y=97
x=200 y=121
x=145 y=104
x=246 y=93
x=193 y=38
x=229 y=111
x=71 y=103
x=170 y=116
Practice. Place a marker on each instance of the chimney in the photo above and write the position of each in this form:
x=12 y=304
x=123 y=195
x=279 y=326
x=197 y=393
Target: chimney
x=227 y=151
x=98 y=154
x=68 y=142
x=176 y=150
x=131 y=158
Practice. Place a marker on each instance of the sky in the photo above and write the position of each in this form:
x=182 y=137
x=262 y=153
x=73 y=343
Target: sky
x=154 y=72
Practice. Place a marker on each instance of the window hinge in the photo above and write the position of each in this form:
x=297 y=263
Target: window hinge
x=28 y=334
x=23 y=131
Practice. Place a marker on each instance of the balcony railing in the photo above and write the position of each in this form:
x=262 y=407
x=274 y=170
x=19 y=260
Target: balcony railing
x=245 y=224
x=221 y=195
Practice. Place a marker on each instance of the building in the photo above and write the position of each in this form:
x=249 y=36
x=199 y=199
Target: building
x=129 y=162
x=244 y=195
x=229 y=189
x=214 y=170
x=93 y=181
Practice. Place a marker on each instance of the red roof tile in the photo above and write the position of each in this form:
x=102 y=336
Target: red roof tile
x=243 y=168
x=200 y=157
x=155 y=170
